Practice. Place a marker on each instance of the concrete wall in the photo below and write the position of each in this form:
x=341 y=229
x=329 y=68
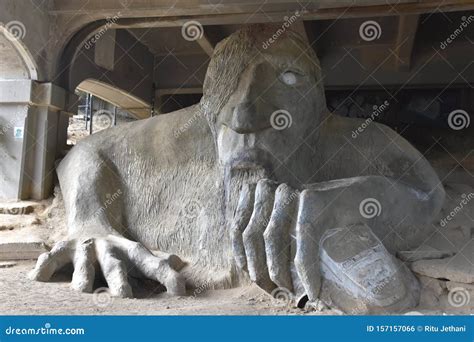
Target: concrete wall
x=32 y=129
x=12 y=116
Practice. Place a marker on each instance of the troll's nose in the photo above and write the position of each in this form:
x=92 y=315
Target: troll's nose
x=245 y=118
x=249 y=113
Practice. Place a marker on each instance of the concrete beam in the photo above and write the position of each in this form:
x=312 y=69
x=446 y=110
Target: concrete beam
x=116 y=96
x=15 y=91
x=178 y=91
x=49 y=94
x=104 y=50
x=299 y=28
x=335 y=9
x=407 y=26
x=231 y=16
x=74 y=18
x=206 y=45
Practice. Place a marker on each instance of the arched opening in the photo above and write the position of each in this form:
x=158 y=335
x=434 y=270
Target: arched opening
x=118 y=97
x=16 y=62
x=101 y=106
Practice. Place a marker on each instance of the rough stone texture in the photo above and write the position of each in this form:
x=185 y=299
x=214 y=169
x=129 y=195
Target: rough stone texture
x=458 y=268
x=435 y=285
x=172 y=182
x=458 y=211
x=432 y=292
x=423 y=252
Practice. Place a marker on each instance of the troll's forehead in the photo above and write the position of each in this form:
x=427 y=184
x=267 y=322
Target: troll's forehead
x=234 y=54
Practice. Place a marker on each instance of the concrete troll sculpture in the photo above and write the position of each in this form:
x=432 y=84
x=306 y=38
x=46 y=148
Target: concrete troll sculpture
x=256 y=183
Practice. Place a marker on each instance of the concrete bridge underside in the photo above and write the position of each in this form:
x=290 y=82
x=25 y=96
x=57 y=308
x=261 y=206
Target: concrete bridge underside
x=132 y=53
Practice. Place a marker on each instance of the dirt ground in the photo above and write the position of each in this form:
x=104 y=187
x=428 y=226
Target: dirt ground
x=20 y=296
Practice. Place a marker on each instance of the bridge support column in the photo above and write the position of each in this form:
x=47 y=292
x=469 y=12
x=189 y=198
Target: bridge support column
x=33 y=132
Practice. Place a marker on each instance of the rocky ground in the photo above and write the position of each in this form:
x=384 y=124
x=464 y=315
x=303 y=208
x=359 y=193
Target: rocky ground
x=444 y=265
